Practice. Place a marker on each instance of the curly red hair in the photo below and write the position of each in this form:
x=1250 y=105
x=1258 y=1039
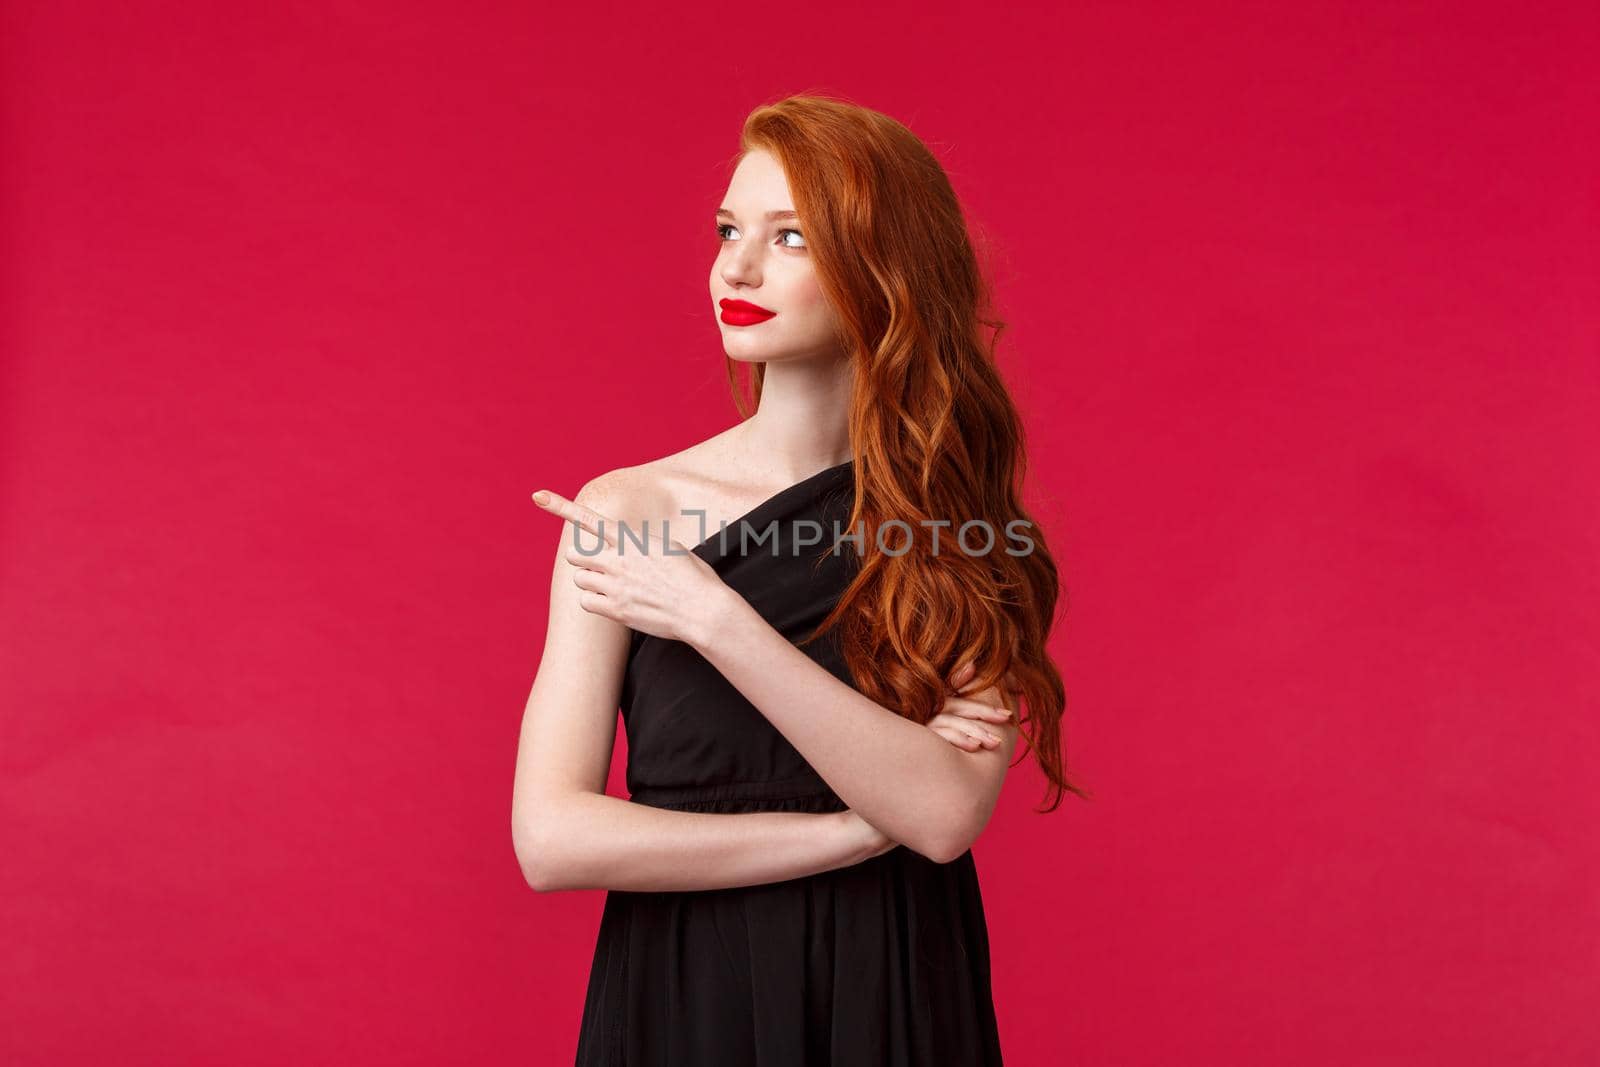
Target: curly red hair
x=935 y=433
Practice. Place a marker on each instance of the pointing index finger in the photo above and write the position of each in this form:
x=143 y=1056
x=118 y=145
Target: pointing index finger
x=583 y=517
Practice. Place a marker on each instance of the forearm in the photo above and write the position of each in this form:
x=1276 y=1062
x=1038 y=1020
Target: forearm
x=597 y=841
x=898 y=775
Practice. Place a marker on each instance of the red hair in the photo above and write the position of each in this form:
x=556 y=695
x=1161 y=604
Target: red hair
x=934 y=430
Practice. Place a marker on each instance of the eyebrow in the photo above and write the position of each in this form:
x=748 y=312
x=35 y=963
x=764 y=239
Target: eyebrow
x=771 y=215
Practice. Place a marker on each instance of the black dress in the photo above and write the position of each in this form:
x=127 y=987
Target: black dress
x=884 y=963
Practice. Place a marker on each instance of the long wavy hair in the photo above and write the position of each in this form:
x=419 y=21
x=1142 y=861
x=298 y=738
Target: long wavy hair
x=935 y=433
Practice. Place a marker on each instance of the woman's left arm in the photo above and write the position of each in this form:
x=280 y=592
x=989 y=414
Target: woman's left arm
x=900 y=776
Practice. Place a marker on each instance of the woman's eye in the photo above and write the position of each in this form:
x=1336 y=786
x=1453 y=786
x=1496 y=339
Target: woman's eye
x=724 y=227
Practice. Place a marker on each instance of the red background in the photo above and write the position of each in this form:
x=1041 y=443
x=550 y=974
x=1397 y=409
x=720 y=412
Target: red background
x=302 y=301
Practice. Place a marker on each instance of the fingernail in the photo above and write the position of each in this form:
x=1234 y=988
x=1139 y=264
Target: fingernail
x=541 y=498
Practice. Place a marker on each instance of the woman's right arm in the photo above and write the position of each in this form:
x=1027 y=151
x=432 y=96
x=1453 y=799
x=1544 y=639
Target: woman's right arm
x=566 y=831
x=605 y=842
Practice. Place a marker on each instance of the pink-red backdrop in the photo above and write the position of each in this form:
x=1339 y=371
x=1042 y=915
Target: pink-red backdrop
x=302 y=300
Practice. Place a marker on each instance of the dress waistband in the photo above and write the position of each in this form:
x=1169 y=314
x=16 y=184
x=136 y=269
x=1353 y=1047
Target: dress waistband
x=774 y=789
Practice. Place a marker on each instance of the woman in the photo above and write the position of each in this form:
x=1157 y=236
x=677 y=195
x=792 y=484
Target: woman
x=815 y=735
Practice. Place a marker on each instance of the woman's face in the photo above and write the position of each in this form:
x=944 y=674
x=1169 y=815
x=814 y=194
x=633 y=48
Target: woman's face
x=764 y=261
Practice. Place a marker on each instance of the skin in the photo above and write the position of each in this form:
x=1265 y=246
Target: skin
x=931 y=788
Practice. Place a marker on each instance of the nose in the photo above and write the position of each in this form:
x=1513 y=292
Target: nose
x=739 y=266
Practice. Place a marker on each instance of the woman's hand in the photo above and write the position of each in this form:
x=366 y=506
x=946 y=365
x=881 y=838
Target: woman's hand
x=961 y=721
x=669 y=594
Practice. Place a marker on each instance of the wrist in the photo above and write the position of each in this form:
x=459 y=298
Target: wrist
x=710 y=621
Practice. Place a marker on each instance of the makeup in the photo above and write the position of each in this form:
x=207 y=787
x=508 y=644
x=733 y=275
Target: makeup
x=743 y=313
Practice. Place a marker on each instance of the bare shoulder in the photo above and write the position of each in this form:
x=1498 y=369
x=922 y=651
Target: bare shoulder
x=620 y=493
x=654 y=490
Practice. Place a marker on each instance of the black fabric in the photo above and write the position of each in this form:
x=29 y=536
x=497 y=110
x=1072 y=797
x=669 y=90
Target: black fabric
x=883 y=963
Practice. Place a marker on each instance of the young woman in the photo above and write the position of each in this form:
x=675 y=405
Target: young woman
x=818 y=723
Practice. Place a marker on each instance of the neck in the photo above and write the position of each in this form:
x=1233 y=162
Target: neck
x=802 y=424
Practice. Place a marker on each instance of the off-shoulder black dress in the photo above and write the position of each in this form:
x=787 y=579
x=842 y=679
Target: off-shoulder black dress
x=881 y=964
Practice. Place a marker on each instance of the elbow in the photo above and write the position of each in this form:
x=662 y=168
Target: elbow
x=536 y=873
x=959 y=835
x=540 y=874
x=948 y=849
x=550 y=845
x=541 y=883
x=535 y=857
x=940 y=848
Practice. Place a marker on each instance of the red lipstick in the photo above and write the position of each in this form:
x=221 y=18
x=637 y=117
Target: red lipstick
x=743 y=313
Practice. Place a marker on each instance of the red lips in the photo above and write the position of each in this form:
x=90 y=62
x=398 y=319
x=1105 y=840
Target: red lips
x=743 y=313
